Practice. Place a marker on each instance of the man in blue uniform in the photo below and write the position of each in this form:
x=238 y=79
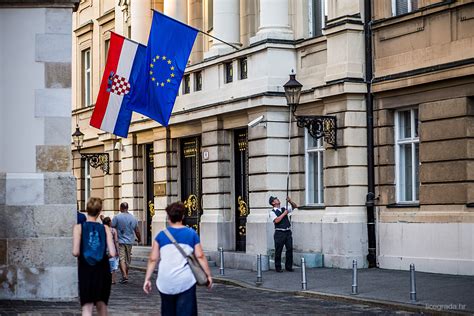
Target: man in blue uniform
x=282 y=236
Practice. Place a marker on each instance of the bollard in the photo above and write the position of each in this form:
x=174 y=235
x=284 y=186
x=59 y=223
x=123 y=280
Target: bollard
x=303 y=274
x=412 y=284
x=259 y=270
x=354 y=277
x=221 y=261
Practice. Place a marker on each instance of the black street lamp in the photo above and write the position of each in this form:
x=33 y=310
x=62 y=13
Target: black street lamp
x=318 y=125
x=78 y=138
x=293 y=92
x=95 y=160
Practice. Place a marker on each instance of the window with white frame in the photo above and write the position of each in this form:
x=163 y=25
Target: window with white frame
x=86 y=78
x=400 y=7
x=314 y=151
x=407 y=155
x=317 y=13
x=87 y=181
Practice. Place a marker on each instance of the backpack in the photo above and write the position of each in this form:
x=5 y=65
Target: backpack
x=93 y=242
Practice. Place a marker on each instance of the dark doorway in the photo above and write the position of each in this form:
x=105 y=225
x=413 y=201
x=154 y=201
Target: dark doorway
x=191 y=181
x=150 y=204
x=241 y=187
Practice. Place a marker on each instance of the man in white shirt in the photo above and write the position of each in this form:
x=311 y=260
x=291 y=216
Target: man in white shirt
x=282 y=235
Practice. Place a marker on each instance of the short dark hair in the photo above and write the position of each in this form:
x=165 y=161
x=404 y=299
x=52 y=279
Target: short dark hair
x=175 y=211
x=124 y=206
x=94 y=206
x=106 y=221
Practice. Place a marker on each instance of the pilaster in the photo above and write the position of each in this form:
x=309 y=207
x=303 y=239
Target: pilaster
x=129 y=175
x=111 y=180
x=345 y=50
x=268 y=160
x=165 y=167
x=217 y=229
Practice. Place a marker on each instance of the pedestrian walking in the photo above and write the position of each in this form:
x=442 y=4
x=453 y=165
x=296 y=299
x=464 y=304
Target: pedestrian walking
x=113 y=261
x=127 y=227
x=176 y=282
x=90 y=242
x=81 y=218
x=282 y=236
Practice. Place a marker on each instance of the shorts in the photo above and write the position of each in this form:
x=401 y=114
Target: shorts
x=125 y=254
x=114 y=264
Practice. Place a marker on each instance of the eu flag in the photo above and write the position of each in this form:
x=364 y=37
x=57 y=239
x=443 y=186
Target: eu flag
x=169 y=46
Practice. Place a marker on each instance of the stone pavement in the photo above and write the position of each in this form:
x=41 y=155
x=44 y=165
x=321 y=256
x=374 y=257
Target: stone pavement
x=435 y=292
x=223 y=299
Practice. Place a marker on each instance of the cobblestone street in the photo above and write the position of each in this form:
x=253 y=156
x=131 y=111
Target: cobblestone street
x=129 y=299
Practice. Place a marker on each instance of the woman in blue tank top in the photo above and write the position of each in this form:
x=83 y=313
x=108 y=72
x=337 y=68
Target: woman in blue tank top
x=176 y=282
x=90 y=242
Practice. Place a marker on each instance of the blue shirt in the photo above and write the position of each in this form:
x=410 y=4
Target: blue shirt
x=81 y=218
x=174 y=274
x=125 y=224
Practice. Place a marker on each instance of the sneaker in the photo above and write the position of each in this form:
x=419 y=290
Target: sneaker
x=123 y=281
x=279 y=270
x=290 y=270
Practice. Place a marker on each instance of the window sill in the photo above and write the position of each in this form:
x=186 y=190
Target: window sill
x=311 y=207
x=470 y=204
x=403 y=205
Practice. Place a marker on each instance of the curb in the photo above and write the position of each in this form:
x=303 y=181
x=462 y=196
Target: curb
x=416 y=308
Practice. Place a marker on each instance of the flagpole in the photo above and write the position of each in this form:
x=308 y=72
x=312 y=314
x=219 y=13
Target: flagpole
x=233 y=46
x=128 y=39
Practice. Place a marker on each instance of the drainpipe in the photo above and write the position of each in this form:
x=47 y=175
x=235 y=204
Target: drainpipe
x=370 y=203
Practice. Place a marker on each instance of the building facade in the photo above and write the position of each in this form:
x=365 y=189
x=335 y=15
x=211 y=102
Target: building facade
x=225 y=170
x=423 y=88
x=37 y=188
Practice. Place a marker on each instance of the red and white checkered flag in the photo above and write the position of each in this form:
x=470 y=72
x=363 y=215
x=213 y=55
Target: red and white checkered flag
x=117 y=84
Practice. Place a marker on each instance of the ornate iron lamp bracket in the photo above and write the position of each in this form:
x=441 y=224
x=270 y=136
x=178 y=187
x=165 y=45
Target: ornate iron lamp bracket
x=320 y=126
x=98 y=161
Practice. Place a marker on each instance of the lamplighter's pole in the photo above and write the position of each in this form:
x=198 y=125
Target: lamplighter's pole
x=289 y=152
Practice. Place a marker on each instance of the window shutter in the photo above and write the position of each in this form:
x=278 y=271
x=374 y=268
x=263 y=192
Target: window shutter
x=401 y=7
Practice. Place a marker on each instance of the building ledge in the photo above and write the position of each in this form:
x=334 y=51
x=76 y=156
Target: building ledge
x=403 y=205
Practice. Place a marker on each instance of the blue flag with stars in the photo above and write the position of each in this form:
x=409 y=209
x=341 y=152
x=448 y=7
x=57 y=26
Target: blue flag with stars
x=169 y=45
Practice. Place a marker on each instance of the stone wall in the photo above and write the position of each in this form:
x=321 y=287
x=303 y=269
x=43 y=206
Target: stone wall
x=37 y=189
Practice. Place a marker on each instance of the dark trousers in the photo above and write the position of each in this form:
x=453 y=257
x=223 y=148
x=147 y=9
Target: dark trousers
x=182 y=304
x=283 y=238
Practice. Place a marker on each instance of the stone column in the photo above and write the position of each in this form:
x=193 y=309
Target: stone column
x=217 y=220
x=164 y=166
x=37 y=188
x=177 y=9
x=195 y=20
x=130 y=176
x=226 y=21
x=141 y=16
x=274 y=21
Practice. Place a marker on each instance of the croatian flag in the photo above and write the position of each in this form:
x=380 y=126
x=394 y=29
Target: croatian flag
x=118 y=88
